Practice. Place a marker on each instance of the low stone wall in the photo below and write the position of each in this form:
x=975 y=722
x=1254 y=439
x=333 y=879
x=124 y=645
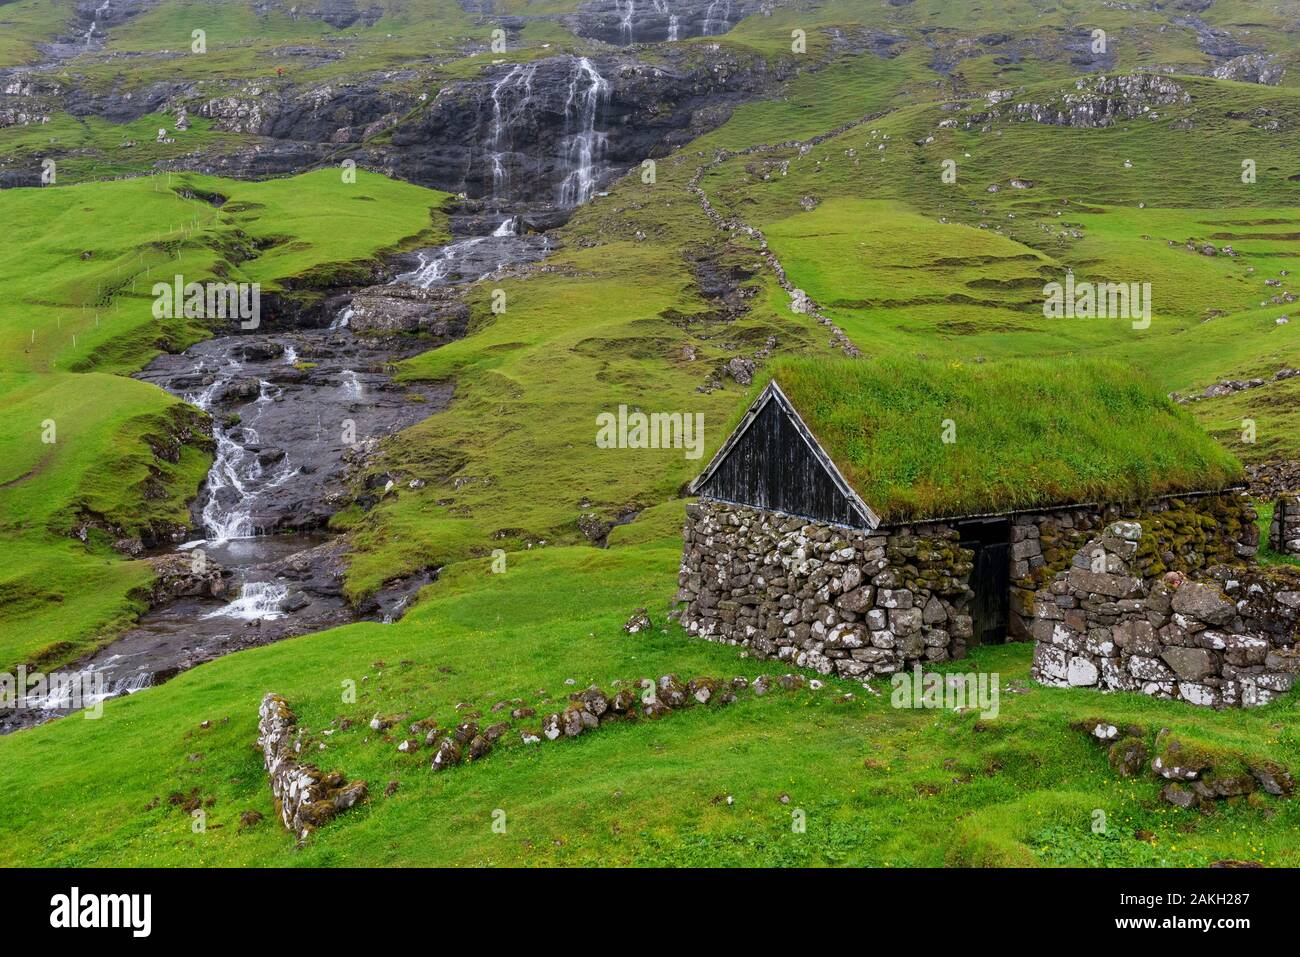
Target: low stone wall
x=836 y=600
x=305 y=797
x=1284 y=534
x=1118 y=619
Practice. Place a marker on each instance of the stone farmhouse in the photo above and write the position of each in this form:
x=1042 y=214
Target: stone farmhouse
x=865 y=516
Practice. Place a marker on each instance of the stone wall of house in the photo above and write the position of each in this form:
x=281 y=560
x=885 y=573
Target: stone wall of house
x=1284 y=534
x=1042 y=543
x=1188 y=533
x=839 y=601
x=1119 y=619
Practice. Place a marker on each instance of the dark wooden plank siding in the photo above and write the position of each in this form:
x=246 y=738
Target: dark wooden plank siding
x=772 y=467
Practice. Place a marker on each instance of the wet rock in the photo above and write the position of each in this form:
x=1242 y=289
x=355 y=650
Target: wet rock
x=179 y=575
x=402 y=308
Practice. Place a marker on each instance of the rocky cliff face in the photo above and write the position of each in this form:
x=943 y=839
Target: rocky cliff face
x=337 y=13
x=91 y=21
x=551 y=131
x=554 y=130
x=624 y=22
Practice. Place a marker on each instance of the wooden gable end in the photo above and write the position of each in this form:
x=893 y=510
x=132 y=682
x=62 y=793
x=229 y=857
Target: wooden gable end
x=773 y=462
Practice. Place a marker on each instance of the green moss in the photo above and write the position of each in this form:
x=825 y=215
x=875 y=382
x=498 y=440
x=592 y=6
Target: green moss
x=1027 y=433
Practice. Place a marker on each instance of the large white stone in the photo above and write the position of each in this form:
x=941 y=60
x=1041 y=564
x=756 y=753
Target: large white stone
x=1081 y=672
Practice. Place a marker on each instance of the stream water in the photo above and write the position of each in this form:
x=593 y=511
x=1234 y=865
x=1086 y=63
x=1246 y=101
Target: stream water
x=286 y=407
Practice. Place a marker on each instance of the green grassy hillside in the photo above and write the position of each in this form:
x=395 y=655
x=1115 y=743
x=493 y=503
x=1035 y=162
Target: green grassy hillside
x=879 y=785
x=839 y=170
x=80 y=278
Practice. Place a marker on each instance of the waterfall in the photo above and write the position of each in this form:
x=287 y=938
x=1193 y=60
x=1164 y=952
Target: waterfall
x=351 y=384
x=257 y=600
x=625 y=26
x=90 y=34
x=508 y=227
x=342 y=319
x=661 y=7
x=517 y=85
x=584 y=145
x=717 y=24
x=232 y=468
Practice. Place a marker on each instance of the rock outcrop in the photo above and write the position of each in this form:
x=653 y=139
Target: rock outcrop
x=400 y=308
x=1094 y=103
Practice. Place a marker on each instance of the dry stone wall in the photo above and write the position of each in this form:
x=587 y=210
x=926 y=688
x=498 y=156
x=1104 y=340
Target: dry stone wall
x=839 y=601
x=1217 y=633
x=305 y=796
x=1189 y=534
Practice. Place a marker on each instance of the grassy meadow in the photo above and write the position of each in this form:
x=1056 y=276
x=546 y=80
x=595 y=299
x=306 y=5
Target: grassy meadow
x=879 y=785
x=942 y=279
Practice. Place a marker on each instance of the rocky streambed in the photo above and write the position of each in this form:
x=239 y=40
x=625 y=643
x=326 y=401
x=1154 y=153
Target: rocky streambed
x=296 y=412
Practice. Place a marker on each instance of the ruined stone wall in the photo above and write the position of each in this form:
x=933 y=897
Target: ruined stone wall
x=839 y=601
x=1217 y=634
x=1284 y=534
x=305 y=797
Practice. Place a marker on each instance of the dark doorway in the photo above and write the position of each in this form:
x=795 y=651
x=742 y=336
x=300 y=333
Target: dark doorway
x=990 y=578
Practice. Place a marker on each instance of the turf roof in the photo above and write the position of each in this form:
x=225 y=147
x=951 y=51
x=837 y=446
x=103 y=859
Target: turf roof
x=1027 y=433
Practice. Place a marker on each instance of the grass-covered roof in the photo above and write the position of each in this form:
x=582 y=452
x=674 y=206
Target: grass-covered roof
x=1023 y=433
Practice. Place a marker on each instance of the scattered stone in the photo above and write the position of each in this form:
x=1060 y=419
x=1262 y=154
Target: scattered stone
x=639 y=622
x=448 y=753
x=1273 y=778
x=249 y=818
x=1128 y=757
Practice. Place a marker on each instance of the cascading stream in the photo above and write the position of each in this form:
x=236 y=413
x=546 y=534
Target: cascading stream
x=584 y=144
x=277 y=400
x=715 y=22
x=512 y=96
